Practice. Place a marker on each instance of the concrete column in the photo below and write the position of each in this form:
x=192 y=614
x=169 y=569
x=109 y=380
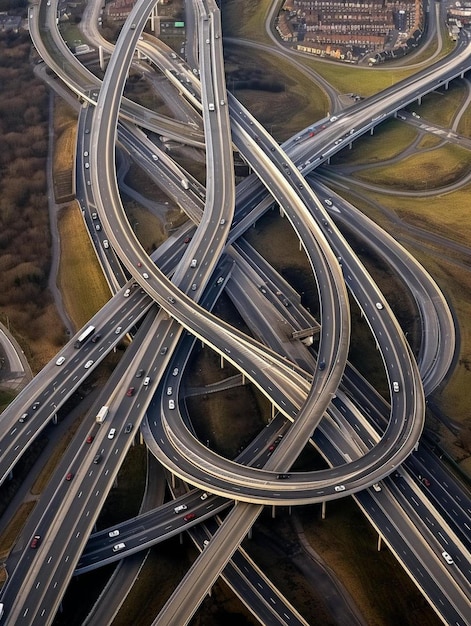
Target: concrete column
x=101 y=57
x=323 y=510
x=379 y=543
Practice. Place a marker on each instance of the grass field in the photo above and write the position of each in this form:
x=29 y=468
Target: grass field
x=81 y=281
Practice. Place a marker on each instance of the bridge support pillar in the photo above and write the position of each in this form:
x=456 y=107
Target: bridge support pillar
x=141 y=438
x=372 y=131
x=102 y=58
x=379 y=543
x=222 y=362
x=272 y=410
x=282 y=213
x=249 y=534
x=55 y=419
x=323 y=510
x=173 y=481
x=273 y=511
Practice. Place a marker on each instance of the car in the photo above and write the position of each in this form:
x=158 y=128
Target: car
x=189 y=516
x=395 y=386
x=379 y=306
x=85 y=154
x=328 y=202
x=169 y=391
x=207 y=40
x=97 y=459
x=87 y=165
x=194 y=263
x=139 y=264
x=118 y=330
x=146 y=381
x=204 y=495
x=283 y=476
x=139 y=373
x=339 y=488
x=98 y=227
x=376 y=486
x=35 y=541
x=155 y=157
x=96 y=338
x=222 y=103
x=426 y=481
x=187 y=240
x=89 y=439
x=180 y=508
x=94 y=216
x=113 y=533
x=119 y=546
x=23 y=418
x=194 y=286
x=145 y=275
x=175 y=372
x=219 y=280
x=164 y=350
x=88 y=364
x=171 y=300
x=205 y=542
x=222 y=221
x=60 y=360
x=447 y=558
x=130 y=391
x=106 y=243
x=69 y=476
x=321 y=365
x=128 y=428
x=87 y=131
x=133 y=27
x=35 y=406
x=112 y=433
x=171 y=404
x=127 y=293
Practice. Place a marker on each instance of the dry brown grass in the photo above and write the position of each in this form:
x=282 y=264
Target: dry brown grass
x=9 y=536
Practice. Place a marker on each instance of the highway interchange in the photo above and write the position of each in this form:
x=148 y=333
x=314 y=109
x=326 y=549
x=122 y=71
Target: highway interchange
x=310 y=398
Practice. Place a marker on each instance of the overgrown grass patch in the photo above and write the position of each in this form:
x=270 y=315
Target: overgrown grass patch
x=80 y=279
x=389 y=140
x=440 y=106
x=422 y=171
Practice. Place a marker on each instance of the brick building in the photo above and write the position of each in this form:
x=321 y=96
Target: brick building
x=353 y=28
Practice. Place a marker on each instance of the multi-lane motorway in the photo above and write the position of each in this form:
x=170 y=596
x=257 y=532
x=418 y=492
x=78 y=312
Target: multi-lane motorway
x=301 y=391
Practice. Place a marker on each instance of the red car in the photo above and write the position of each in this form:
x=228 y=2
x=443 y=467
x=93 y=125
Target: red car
x=89 y=439
x=69 y=476
x=187 y=240
x=139 y=264
x=35 y=542
x=426 y=482
x=189 y=516
x=130 y=391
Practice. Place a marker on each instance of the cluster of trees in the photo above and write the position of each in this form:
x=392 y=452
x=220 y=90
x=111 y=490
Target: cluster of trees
x=24 y=221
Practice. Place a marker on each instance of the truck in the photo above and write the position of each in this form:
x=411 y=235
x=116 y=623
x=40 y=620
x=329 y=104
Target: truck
x=82 y=338
x=101 y=415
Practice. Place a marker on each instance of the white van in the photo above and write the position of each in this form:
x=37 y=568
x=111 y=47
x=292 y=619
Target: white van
x=180 y=508
x=60 y=360
x=193 y=263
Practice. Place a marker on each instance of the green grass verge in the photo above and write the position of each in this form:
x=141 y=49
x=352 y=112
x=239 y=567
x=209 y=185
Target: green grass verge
x=80 y=279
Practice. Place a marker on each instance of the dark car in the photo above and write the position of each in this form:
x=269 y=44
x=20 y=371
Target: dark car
x=96 y=338
x=128 y=428
x=187 y=240
x=36 y=540
x=130 y=391
x=35 y=406
x=139 y=373
x=69 y=476
x=189 y=516
x=164 y=350
x=97 y=459
x=89 y=439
